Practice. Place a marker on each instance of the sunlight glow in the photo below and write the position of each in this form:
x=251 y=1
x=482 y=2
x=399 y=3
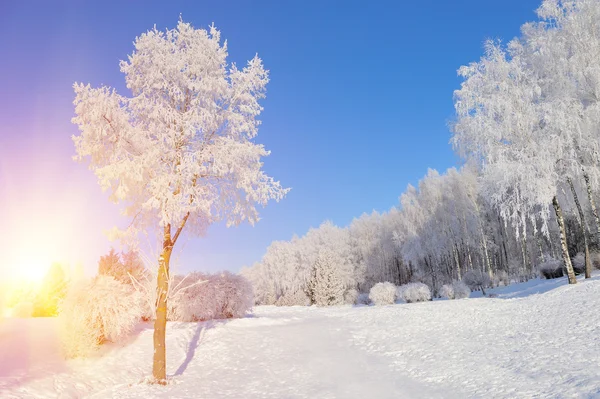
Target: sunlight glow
x=32 y=268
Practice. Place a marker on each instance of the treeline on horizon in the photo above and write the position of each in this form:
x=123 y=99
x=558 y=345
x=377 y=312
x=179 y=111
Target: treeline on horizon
x=523 y=204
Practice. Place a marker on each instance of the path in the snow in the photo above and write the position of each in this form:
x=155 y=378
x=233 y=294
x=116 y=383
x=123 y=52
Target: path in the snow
x=544 y=345
x=280 y=353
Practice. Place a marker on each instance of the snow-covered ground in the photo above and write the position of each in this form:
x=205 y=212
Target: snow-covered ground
x=539 y=339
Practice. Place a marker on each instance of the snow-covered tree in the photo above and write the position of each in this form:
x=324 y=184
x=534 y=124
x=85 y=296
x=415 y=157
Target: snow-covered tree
x=326 y=287
x=179 y=152
x=476 y=280
x=126 y=267
x=503 y=126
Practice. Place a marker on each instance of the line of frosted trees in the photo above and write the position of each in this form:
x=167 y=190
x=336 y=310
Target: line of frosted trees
x=528 y=126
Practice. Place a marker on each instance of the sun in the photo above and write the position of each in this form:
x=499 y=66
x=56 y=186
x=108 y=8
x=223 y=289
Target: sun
x=31 y=268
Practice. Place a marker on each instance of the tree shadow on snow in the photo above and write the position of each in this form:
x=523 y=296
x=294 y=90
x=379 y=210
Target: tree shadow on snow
x=195 y=342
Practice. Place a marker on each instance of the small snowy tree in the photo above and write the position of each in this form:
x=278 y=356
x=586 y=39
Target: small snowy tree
x=383 y=294
x=477 y=280
x=179 y=152
x=125 y=268
x=325 y=286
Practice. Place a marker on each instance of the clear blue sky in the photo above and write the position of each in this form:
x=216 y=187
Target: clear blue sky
x=357 y=107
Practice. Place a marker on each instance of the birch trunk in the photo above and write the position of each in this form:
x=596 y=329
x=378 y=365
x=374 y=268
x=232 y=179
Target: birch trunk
x=588 y=264
x=455 y=251
x=588 y=186
x=563 y=241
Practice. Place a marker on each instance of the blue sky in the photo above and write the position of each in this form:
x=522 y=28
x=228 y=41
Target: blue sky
x=358 y=106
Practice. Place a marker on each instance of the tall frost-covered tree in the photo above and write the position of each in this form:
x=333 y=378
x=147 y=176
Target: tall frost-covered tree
x=505 y=126
x=178 y=153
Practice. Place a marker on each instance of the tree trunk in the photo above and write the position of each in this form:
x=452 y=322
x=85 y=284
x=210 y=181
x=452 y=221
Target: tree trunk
x=563 y=241
x=433 y=276
x=486 y=255
x=593 y=204
x=159 y=365
x=539 y=243
x=524 y=256
x=588 y=264
x=503 y=238
x=455 y=252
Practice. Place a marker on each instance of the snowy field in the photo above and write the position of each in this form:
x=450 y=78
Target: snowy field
x=539 y=339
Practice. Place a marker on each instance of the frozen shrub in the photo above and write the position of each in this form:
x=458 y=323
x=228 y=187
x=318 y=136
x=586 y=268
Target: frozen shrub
x=96 y=311
x=461 y=290
x=456 y=290
x=551 y=268
x=447 y=291
x=477 y=280
x=351 y=296
x=578 y=263
x=239 y=296
x=199 y=297
x=22 y=310
x=414 y=292
x=296 y=298
x=383 y=294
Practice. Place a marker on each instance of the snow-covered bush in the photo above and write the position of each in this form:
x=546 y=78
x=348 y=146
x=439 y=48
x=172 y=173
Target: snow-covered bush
x=578 y=263
x=461 y=290
x=414 y=292
x=22 y=310
x=456 y=290
x=447 y=291
x=351 y=296
x=95 y=311
x=551 y=268
x=383 y=294
x=296 y=298
x=477 y=280
x=238 y=296
x=199 y=297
